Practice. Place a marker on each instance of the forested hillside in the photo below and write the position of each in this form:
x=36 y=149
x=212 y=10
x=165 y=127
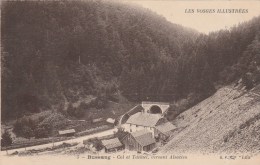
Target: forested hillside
x=58 y=52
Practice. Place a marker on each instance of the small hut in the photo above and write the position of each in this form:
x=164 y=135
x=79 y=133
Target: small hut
x=69 y=132
x=112 y=145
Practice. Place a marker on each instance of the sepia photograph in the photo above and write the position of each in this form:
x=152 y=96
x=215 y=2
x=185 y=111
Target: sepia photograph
x=129 y=82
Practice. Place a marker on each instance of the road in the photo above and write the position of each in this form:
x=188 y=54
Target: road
x=78 y=139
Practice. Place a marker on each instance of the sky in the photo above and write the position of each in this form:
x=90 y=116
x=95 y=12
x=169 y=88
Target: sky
x=174 y=11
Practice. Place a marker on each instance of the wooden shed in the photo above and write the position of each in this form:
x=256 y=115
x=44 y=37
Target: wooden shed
x=112 y=145
x=139 y=141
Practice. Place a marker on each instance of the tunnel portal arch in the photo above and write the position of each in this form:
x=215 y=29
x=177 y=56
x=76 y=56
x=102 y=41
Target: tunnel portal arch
x=155 y=109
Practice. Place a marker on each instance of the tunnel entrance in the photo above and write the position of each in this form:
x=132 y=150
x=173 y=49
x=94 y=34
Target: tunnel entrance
x=155 y=109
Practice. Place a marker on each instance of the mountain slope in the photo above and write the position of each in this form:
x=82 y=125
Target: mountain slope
x=59 y=53
x=228 y=121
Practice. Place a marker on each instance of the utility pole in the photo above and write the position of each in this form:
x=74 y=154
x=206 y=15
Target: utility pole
x=52 y=136
x=79 y=59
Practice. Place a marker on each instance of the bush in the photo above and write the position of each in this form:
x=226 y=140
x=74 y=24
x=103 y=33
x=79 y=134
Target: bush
x=41 y=132
x=28 y=132
x=70 y=110
x=96 y=143
x=101 y=101
x=55 y=121
x=247 y=81
x=77 y=112
x=6 y=139
x=25 y=127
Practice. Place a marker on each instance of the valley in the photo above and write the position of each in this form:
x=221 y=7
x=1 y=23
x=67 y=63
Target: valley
x=72 y=71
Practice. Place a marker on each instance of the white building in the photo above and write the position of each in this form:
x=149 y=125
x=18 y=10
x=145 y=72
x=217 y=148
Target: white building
x=143 y=121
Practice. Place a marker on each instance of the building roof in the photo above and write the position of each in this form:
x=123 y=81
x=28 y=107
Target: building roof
x=153 y=102
x=111 y=143
x=143 y=137
x=110 y=120
x=63 y=132
x=97 y=120
x=121 y=135
x=165 y=128
x=144 y=119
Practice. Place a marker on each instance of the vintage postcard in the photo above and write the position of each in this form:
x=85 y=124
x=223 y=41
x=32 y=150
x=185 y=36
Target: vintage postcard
x=130 y=82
